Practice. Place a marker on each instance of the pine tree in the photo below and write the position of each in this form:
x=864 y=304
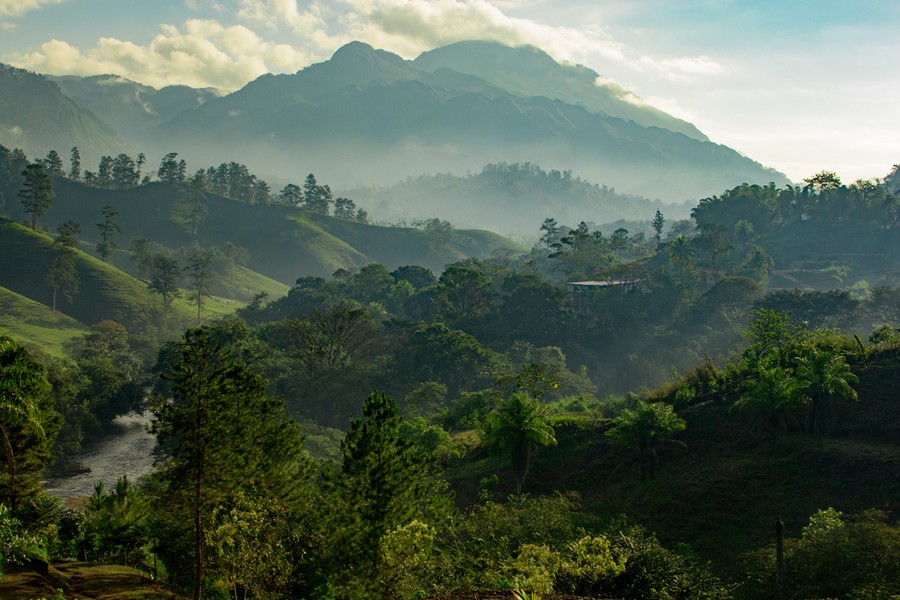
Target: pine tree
x=37 y=192
x=385 y=483
x=109 y=229
x=222 y=434
x=62 y=275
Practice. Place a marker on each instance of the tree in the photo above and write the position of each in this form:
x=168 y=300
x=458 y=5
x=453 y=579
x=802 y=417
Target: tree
x=25 y=419
x=222 y=434
x=54 y=164
x=124 y=172
x=823 y=377
x=75 y=162
x=384 y=483
x=291 y=195
x=62 y=274
x=189 y=210
x=518 y=427
x=164 y=278
x=681 y=254
x=644 y=429
x=344 y=208
x=142 y=255
x=104 y=172
x=36 y=194
x=200 y=276
x=170 y=169
x=316 y=198
x=551 y=233
x=108 y=229
x=657 y=224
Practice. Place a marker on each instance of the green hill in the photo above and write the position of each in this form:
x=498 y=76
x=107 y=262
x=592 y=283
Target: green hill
x=720 y=492
x=105 y=291
x=33 y=323
x=282 y=243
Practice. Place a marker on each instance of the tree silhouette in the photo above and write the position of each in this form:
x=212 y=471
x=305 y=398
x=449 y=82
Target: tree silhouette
x=644 y=429
x=823 y=377
x=37 y=192
x=518 y=427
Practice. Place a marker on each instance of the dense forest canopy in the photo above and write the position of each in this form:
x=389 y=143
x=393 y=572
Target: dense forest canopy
x=623 y=374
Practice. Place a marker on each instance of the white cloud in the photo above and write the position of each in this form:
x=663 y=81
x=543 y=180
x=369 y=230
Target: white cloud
x=203 y=54
x=683 y=68
x=409 y=27
x=15 y=8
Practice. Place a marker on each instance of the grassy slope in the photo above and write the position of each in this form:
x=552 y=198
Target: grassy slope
x=32 y=323
x=284 y=243
x=105 y=292
x=722 y=491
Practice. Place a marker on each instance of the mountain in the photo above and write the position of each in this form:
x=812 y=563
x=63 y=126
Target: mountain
x=367 y=115
x=132 y=109
x=528 y=72
x=36 y=116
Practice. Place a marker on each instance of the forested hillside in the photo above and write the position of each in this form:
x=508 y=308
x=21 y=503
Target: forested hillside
x=422 y=411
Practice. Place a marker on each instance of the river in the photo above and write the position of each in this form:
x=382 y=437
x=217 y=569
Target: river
x=126 y=450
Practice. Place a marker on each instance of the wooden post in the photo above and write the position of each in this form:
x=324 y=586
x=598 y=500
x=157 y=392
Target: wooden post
x=779 y=559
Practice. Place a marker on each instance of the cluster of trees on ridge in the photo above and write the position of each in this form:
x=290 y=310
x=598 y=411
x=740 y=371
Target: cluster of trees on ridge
x=483 y=348
x=230 y=180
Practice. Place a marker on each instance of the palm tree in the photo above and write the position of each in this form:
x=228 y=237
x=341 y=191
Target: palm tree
x=645 y=428
x=823 y=377
x=22 y=381
x=519 y=426
x=681 y=254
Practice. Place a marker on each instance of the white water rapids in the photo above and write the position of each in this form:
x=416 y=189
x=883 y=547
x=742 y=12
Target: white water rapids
x=124 y=451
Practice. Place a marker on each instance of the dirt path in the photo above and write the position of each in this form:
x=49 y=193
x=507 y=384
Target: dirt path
x=84 y=581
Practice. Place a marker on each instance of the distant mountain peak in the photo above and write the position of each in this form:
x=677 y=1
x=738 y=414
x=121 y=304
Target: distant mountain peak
x=356 y=52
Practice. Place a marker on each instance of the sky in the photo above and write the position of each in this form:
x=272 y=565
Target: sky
x=798 y=85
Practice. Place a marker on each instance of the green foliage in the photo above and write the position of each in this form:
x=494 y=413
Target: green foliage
x=115 y=527
x=644 y=429
x=836 y=556
x=249 y=546
x=223 y=435
x=822 y=378
x=28 y=423
x=518 y=427
x=384 y=485
x=109 y=229
x=62 y=275
x=17 y=544
x=36 y=194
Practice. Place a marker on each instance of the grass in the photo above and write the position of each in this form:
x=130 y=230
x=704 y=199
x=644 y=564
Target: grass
x=32 y=323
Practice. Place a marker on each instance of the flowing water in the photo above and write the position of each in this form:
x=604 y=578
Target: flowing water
x=124 y=451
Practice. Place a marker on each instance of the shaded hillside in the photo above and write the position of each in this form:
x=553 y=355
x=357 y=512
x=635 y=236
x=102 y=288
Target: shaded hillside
x=105 y=292
x=282 y=243
x=37 y=117
x=368 y=115
x=130 y=108
x=720 y=492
